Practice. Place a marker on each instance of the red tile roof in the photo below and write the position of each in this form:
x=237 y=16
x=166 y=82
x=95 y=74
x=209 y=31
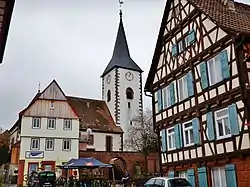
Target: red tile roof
x=234 y=21
x=6 y=9
x=237 y=20
x=94 y=114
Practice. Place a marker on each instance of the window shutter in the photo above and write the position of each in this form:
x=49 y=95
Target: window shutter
x=233 y=119
x=210 y=126
x=191 y=37
x=203 y=71
x=190 y=86
x=202 y=177
x=174 y=50
x=196 y=128
x=224 y=64
x=172 y=93
x=159 y=98
x=231 y=175
x=178 y=136
x=171 y=174
x=191 y=177
x=163 y=140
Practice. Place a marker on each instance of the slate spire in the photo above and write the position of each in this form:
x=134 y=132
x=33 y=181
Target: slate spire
x=121 y=57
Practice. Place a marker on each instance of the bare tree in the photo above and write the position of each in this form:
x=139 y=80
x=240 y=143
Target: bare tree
x=141 y=135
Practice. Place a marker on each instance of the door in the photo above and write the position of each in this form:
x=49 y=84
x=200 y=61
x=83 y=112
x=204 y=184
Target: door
x=109 y=144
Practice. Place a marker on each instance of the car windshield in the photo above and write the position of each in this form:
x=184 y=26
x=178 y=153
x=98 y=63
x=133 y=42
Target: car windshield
x=178 y=183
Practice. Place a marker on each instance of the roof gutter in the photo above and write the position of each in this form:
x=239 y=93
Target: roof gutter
x=147 y=93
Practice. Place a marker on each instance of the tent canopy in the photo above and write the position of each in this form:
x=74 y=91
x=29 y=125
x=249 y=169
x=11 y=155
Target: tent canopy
x=84 y=163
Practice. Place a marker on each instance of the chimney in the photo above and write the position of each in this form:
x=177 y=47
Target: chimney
x=229 y=3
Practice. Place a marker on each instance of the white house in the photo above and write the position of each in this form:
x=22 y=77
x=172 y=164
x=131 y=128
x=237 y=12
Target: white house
x=47 y=131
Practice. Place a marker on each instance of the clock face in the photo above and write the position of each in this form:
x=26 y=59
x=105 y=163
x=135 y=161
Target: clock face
x=129 y=76
x=108 y=79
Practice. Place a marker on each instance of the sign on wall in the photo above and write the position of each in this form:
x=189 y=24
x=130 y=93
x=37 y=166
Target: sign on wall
x=34 y=154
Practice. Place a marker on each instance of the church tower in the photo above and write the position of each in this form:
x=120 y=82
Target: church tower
x=122 y=84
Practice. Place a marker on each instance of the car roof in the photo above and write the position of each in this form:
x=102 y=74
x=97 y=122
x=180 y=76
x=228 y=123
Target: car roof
x=166 y=178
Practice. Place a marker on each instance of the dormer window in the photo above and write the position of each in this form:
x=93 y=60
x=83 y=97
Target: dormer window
x=129 y=93
x=108 y=96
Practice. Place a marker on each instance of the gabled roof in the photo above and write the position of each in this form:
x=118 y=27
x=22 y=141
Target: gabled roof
x=6 y=9
x=93 y=114
x=233 y=21
x=121 y=56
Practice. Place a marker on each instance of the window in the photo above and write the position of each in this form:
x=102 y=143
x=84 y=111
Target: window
x=129 y=105
x=214 y=70
x=52 y=105
x=108 y=96
x=219 y=177
x=170 y=138
x=66 y=145
x=32 y=167
x=222 y=123
x=182 y=88
x=35 y=144
x=67 y=124
x=91 y=140
x=51 y=123
x=183 y=43
x=169 y=95
x=188 y=133
x=36 y=123
x=129 y=93
x=109 y=144
x=49 y=144
x=182 y=174
x=160 y=182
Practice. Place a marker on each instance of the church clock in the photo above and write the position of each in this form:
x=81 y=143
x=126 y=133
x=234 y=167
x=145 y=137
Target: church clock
x=108 y=79
x=129 y=76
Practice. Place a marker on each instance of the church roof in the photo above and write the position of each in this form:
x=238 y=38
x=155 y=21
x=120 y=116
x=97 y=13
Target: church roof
x=93 y=114
x=121 y=57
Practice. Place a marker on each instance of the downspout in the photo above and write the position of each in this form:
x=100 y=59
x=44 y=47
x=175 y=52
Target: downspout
x=156 y=131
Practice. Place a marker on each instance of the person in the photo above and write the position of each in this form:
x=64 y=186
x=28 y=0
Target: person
x=126 y=177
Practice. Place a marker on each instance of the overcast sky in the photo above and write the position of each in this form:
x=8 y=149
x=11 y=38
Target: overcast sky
x=71 y=41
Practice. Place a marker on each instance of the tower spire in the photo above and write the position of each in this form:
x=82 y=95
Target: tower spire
x=121 y=3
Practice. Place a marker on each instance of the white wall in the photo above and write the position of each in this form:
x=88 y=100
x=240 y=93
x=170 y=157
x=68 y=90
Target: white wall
x=128 y=114
x=111 y=87
x=58 y=134
x=100 y=141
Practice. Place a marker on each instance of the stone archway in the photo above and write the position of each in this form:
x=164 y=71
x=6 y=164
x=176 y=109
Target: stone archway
x=120 y=167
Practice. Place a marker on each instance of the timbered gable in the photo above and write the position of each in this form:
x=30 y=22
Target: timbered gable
x=183 y=46
x=53 y=92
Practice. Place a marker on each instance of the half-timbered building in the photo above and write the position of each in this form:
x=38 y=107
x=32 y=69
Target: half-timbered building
x=199 y=81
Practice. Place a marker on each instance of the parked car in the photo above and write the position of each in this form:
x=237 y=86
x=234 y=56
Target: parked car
x=167 y=182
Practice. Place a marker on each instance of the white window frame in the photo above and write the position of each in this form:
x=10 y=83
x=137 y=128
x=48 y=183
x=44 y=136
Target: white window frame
x=183 y=86
x=64 y=148
x=32 y=144
x=221 y=175
x=48 y=148
x=172 y=136
x=48 y=123
x=216 y=118
x=36 y=125
x=67 y=122
x=218 y=77
x=184 y=134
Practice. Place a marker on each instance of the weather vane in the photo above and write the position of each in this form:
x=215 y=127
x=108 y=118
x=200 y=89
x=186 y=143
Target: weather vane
x=121 y=3
x=39 y=86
